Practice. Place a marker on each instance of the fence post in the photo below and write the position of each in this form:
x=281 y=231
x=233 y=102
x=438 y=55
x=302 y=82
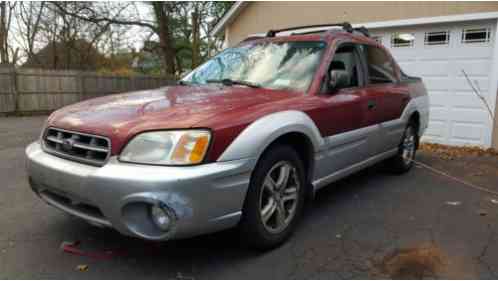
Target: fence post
x=80 y=79
x=133 y=82
x=15 y=90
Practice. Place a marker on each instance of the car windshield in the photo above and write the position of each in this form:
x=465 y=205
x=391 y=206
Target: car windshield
x=273 y=65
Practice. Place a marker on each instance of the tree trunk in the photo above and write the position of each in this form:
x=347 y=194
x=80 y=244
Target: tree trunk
x=3 y=33
x=195 y=37
x=179 y=65
x=162 y=13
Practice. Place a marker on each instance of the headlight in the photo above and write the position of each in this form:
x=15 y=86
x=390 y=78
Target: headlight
x=44 y=127
x=185 y=147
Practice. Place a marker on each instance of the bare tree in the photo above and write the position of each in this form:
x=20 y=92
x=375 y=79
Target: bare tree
x=163 y=11
x=190 y=20
x=52 y=39
x=161 y=26
x=182 y=29
x=28 y=25
x=8 y=54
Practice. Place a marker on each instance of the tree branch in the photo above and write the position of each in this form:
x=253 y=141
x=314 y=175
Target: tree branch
x=477 y=91
x=99 y=20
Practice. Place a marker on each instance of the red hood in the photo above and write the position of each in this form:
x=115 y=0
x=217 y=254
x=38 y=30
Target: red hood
x=124 y=115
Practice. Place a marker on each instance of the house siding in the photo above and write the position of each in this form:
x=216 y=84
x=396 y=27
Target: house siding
x=258 y=17
x=495 y=127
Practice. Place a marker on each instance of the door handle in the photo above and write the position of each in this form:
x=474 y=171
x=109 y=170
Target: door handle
x=371 y=104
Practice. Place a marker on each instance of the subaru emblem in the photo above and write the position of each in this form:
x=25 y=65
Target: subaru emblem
x=68 y=144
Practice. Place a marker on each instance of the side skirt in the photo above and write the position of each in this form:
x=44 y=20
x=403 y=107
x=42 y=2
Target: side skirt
x=319 y=183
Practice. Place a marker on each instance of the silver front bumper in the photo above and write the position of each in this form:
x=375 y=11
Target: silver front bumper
x=203 y=198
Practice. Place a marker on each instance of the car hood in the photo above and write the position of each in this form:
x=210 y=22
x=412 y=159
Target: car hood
x=120 y=116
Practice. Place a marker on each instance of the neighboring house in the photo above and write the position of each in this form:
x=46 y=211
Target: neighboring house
x=434 y=40
x=78 y=54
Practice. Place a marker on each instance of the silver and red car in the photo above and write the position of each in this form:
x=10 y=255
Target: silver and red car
x=243 y=140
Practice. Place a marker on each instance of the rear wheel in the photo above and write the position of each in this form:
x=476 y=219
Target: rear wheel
x=275 y=198
x=403 y=161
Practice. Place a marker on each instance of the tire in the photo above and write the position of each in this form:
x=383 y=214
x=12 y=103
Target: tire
x=402 y=162
x=273 y=198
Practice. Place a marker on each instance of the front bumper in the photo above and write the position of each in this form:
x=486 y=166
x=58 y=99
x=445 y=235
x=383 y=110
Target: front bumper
x=204 y=198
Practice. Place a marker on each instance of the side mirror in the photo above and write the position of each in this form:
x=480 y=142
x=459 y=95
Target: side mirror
x=339 y=78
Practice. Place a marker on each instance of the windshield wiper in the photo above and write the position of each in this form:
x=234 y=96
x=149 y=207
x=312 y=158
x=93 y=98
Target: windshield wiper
x=230 y=82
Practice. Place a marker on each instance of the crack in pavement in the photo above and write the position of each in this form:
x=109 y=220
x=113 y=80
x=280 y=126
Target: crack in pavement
x=481 y=258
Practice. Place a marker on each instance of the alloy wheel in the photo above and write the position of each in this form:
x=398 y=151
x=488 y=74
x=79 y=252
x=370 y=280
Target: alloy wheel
x=408 y=146
x=279 y=197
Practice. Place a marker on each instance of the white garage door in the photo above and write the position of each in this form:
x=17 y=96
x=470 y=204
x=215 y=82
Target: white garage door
x=438 y=53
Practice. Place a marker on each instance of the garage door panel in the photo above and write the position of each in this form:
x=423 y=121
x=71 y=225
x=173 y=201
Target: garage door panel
x=462 y=132
x=441 y=99
x=469 y=52
x=434 y=69
x=409 y=67
x=464 y=142
x=436 y=129
x=468 y=100
x=434 y=54
x=437 y=83
x=473 y=67
x=461 y=84
x=438 y=112
x=436 y=132
x=477 y=116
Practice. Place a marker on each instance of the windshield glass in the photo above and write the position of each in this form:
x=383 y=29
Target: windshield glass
x=273 y=65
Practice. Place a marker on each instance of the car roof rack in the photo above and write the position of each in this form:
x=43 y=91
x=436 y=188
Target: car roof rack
x=363 y=30
x=346 y=26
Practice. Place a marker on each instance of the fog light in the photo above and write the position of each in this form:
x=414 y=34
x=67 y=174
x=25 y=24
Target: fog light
x=160 y=217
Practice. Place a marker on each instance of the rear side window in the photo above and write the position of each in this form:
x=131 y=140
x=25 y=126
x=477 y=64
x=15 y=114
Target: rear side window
x=380 y=65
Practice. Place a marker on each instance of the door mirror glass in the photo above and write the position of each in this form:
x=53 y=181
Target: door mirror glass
x=339 y=78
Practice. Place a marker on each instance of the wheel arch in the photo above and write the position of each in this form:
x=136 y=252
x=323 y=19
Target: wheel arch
x=303 y=147
x=259 y=135
x=294 y=128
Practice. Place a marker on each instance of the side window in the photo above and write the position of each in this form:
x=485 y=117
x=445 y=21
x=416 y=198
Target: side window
x=346 y=60
x=380 y=65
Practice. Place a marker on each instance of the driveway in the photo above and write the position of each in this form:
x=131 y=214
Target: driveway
x=370 y=225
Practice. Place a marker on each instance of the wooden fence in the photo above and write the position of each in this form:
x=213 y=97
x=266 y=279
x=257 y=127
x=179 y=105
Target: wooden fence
x=25 y=90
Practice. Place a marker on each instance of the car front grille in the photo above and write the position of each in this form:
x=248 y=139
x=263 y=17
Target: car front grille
x=85 y=148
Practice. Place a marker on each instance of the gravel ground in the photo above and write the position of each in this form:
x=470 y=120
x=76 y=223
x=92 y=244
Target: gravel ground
x=370 y=225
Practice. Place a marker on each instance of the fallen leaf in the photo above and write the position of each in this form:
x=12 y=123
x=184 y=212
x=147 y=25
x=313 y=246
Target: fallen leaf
x=82 y=267
x=494 y=201
x=478 y=174
x=453 y=203
x=447 y=152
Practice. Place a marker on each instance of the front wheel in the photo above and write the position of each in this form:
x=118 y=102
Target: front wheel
x=402 y=162
x=275 y=198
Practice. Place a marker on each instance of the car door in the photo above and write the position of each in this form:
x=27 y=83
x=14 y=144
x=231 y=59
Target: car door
x=387 y=98
x=343 y=116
